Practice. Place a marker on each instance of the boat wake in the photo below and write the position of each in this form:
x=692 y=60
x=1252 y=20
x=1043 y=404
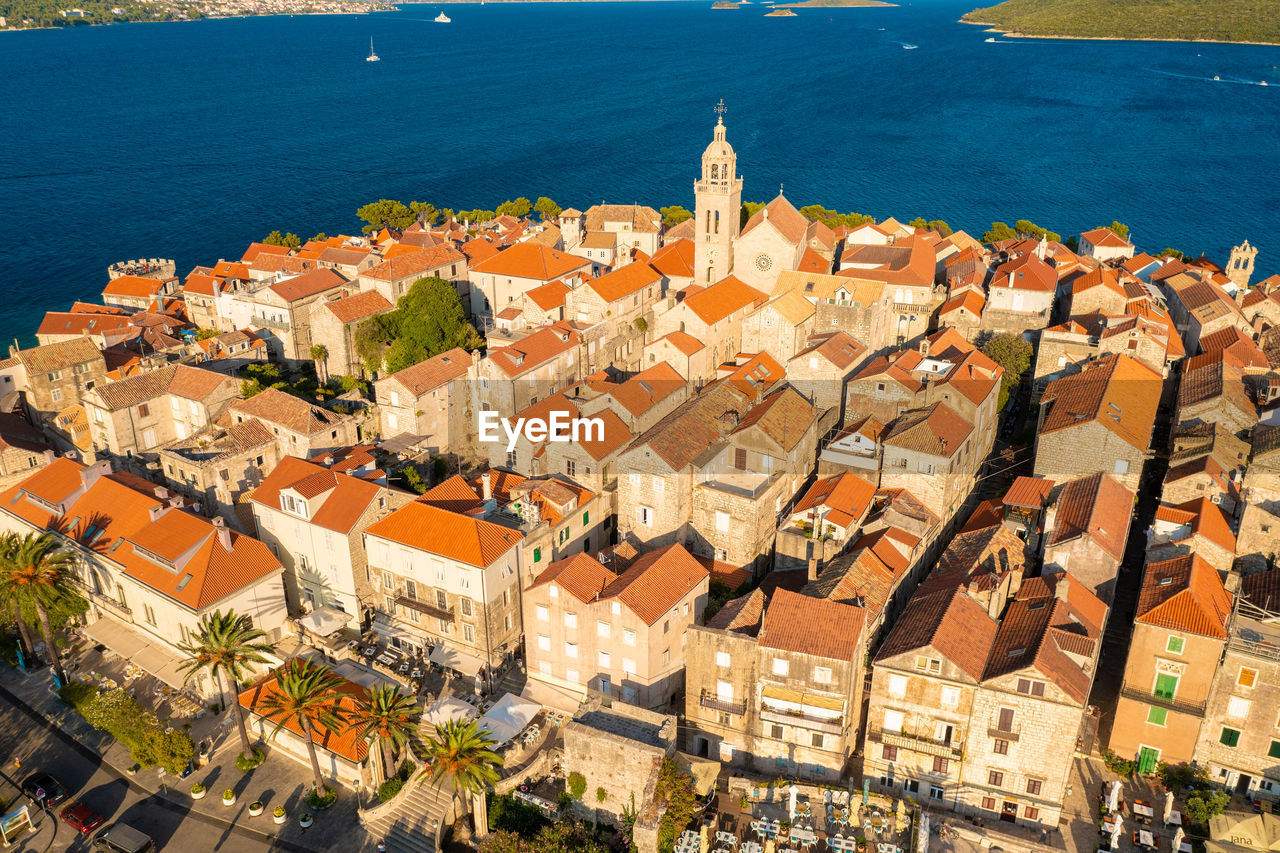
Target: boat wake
x=1217 y=78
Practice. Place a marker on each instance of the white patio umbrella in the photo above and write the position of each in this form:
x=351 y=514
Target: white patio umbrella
x=1116 y=831
x=1168 y=805
x=1178 y=835
x=1113 y=804
x=791 y=802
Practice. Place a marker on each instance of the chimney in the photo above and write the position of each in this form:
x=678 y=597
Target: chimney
x=1061 y=588
x=154 y=513
x=162 y=493
x=175 y=501
x=486 y=486
x=49 y=456
x=90 y=475
x=224 y=534
x=813 y=568
x=1232 y=583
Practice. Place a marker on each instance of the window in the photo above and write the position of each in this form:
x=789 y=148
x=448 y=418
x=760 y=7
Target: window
x=628 y=666
x=1031 y=813
x=722 y=521
x=930 y=665
x=989 y=803
x=537 y=555
x=628 y=637
x=442 y=600
x=644 y=515
x=571 y=620
x=468 y=633
x=995 y=778
x=780 y=666
x=149 y=614
x=658 y=485
x=950 y=697
x=387 y=583
x=776 y=732
x=1229 y=736
x=465 y=604
x=604 y=660
x=1033 y=688
x=889 y=753
x=55 y=394
x=1122 y=466
x=817 y=741
x=602 y=629
x=571 y=650
x=1166 y=686
x=822 y=675
x=570 y=468
x=571 y=676
x=722 y=659
x=1238 y=708
x=1033 y=787
x=586 y=517
x=144 y=411
x=544 y=642
x=897 y=686
x=1247 y=677
x=1156 y=716
x=666 y=656
x=544 y=667
x=940 y=764
x=1274 y=751
x=1000 y=747
x=893 y=721
x=935 y=793
x=1174 y=645
x=542 y=613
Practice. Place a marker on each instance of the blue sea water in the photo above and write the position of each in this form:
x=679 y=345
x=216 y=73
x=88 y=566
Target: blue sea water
x=187 y=140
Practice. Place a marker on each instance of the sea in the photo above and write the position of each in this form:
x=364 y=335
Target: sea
x=188 y=140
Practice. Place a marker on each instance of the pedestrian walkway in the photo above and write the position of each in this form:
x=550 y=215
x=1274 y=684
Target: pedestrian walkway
x=280 y=780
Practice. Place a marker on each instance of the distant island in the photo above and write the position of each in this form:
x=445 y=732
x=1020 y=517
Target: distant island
x=830 y=3
x=37 y=14
x=1254 y=21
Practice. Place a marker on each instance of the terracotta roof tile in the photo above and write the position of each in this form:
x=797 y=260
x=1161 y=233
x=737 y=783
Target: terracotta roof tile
x=846 y=497
x=722 y=299
x=345 y=741
x=536 y=349
x=532 y=261
x=358 y=306
x=947 y=621
x=415 y=263
x=427 y=375
x=347 y=500
x=674 y=259
x=274 y=406
x=1184 y=594
x=1030 y=492
x=1096 y=506
x=424 y=527
x=814 y=626
x=1114 y=390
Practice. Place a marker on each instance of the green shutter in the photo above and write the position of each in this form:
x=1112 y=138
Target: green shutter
x=1274 y=751
x=1157 y=716
x=584 y=519
x=1175 y=645
x=1229 y=737
x=1166 y=686
x=537 y=555
x=1148 y=758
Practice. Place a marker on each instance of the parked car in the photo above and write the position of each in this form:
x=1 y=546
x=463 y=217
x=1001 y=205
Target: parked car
x=122 y=838
x=44 y=789
x=82 y=818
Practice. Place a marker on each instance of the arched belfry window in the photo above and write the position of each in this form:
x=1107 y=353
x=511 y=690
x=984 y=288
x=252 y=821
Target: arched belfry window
x=715 y=171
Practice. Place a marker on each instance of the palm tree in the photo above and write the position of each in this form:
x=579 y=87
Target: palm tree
x=225 y=645
x=8 y=543
x=306 y=693
x=387 y=716
x=320 y=354
x=461 y=751
x=36 y=575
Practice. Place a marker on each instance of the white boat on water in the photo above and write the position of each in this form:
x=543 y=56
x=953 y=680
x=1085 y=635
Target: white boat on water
x=442 y=18
x=991 y=40
x=372 y=57
x=910 y=46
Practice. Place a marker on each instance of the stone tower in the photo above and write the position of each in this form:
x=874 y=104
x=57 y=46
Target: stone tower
x=717 y=205
x=1240 y=266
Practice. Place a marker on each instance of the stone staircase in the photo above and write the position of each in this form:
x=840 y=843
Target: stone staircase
x=419 y=816
x=513 y=681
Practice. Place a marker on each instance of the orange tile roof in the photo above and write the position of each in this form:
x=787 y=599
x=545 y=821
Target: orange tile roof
x=1027 y=272
x=348 y=309
x=132 y=285
x=231 y=269
x=252 y=253
x=845 y=496
x=656 y=580
x=624 y=281
x=345 y=742
x=813 y=261
x=1208 y=521
x=533 y=261
x=947 y=621
x=453 y=494
x=1116 y=391
x=537 y=349
x=1184 y=594
x=1096 y=506
x=307 y=284
x=549 y=295
x=814 y=626
x=1031 y=492
x=971 y=301
x=427 y=375
x=674 y=259
x=429 y=528
x=415 y=263
x=647 y=388
x=838 y=348
x=348 y=497
x=722 y=299
x=63 y=323
x=683 y=341
x=1105 y=237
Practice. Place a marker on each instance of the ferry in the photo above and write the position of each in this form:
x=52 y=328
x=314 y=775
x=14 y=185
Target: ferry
x=372 y=57
x=442 y=18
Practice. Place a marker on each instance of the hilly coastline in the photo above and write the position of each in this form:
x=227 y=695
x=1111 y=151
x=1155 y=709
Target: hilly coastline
x=1256 y=21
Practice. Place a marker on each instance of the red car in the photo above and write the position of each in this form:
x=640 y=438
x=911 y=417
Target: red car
x=84 y=819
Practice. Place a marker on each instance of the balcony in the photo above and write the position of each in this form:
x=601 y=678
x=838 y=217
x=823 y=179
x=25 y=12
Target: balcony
x=1011 y=733
x=1194 y=709
x=263 y=322
x=709 y=700
x=795 y=718
x=423 y=607
x=115 y=608
x=915 y=742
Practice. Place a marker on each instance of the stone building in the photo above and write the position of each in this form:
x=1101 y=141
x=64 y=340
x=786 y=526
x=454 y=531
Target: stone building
x=775 y=685
x=1104 y=244
x=1213 y=390
x=690 y=357
x=54 y=376
x=617 y=630
x=1098 y=421
x=1195 y=527
x=394 y=276
x=1238 y=743
x=1020 y=296
x=1086 y=529
x=1258 y=541
x=717 y=198
x=301 y=429
x=1101 y=292
x=935 y=453
x=279 y=309
x=516 y=376
x=1199 y=307
x=501 y=281
x=779 y=327
x=619 y=749
x=139 y=293
x=134 y=417
x=633 y=226
x=1179 y=634
x=431 y=400
x=778 y=237
x=617 y=298
x=713 y=316
x=313 y=519
x=334 y=323
x=218 y=465
x=819 y=370
x=1065 y=349
x=22 y=447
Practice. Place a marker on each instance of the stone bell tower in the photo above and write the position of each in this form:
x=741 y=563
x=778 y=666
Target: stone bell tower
x=1240 y=266
x=717 y=205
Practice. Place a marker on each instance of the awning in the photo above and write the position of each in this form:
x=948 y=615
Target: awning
x=447 y=656
x=1259 y=832
x=508 y=717
x=552 y=697
x=704 y=771
x=448 y=708
x=146 y=652
x=324 y=621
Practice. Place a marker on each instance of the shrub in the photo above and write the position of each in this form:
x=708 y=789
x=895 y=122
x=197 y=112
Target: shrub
x=388 y=789
x=77 y=694
x=601 y=795
x=229 y=794
x=1204 y=804
x=577 y=785
x=197 y=788
x=116 y=713
x=508 y=814
x=318 y=802
x=279 y=811
x=244 y=765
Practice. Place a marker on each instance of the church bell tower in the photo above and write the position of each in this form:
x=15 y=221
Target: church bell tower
x=717 y=205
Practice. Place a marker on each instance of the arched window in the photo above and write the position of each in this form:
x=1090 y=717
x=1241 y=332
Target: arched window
x=708 y=228
x=715 y=171
x=717 y=222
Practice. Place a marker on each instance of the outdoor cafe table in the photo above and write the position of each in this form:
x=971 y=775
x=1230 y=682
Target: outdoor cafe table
x=1143 y=809
x=1175 y=818
x=723 y=837
x=1184 y=847
x=803 y=835
x=752 y=847
x=841 y=843
x=1144 y=838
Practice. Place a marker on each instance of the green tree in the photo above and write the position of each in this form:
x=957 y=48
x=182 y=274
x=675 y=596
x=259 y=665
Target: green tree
x=674 y=215
x=425 y=212
x=999 y=231
x=577 y=785
x=385 y=213
x=474 y=216
x=1172 y=253
x=940 y=226
x=320 y=355
x=832 y=218
x=1013 y=353
x=547 y=208
x=519 y=208
x=387 y=717
x=674 y=791
x=1204 y=804
x=319 y=238
x=919 y=222
x=429 y=319
x=306 y=693
x=1028 y=229
x=1119 y=229
x=275 y=238
x=562 y=837
x=36 y=575
x=462 y=752
x=225 y=645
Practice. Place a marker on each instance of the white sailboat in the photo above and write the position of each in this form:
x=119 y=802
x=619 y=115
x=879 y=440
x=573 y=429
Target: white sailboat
x=442 y=18
x=372 y=57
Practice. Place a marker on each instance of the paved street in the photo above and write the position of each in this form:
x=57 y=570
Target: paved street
x=168 y=816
